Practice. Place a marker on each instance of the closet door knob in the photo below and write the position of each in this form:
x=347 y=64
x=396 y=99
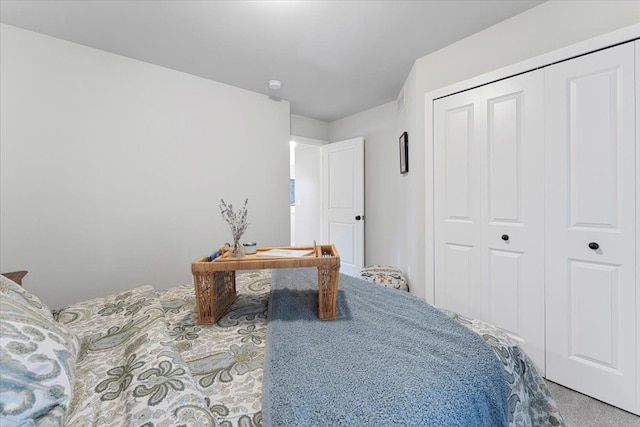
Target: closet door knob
x=505 y=237
x=358 y=217
x=593 y=245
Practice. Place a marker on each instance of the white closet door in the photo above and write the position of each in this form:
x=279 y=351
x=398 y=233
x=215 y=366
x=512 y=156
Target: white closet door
x=637 y=64
x=590 y=200
x=457 y=203
x=489 y=207
x=512 y=185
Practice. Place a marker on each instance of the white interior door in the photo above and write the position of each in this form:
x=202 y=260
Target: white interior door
x=512 y=188
x=637 y=64
x=457 y=203
x=489 y=207
x=343 y=201
x=590 y=225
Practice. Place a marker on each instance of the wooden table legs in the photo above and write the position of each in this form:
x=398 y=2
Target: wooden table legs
x=328 y=292
x=215 y=292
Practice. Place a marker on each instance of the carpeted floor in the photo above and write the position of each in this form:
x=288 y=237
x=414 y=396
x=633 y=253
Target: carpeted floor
x=579 y=410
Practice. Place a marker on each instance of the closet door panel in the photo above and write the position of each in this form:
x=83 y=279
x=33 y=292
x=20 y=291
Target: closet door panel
x=504 y=164
x=505 y=288
x=593 y=166
x=460 y=269
x=592 y=337
x=489 y=207
x=457 y=201
x=590 y=223
x=458 y=155
x=512 y=168
x=637 y=118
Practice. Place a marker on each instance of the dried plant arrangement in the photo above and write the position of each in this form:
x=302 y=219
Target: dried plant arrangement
x=237 y=223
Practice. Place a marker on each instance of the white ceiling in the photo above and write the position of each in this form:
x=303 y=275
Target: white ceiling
x=334 y=58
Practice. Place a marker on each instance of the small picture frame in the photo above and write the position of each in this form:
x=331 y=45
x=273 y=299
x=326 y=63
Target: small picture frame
x=404 y=153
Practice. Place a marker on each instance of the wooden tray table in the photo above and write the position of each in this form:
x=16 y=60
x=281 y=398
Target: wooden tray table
x=215 y=281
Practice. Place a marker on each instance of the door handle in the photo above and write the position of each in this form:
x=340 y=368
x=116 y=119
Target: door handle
x=358 y=217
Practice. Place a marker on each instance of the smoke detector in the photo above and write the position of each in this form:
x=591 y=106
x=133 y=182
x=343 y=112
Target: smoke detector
x=275 y=84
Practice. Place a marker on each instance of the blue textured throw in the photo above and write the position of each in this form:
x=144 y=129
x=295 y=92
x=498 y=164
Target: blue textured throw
x=389 y=359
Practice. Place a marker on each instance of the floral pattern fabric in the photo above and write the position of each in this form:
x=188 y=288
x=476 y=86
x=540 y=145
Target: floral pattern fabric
x=226 y=358
x=389 y=277
x=128 y=371
x=530 y=402
x=37 y=360
x=12 y=291
x=143 y=360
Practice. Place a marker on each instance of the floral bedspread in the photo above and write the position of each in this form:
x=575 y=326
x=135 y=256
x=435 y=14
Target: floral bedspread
x=128 y=372
x=226 y=358
x=530 y=402
x=145 y=361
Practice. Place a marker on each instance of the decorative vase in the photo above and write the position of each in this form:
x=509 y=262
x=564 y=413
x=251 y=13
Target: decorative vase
x=236 y=250
x=237 y=222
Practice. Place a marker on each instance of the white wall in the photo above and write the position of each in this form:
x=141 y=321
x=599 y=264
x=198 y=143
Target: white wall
x=398 y=209
x=550 y=26
x=309 y=128
x=410 y=194
x=383 y=228
x=112 y=169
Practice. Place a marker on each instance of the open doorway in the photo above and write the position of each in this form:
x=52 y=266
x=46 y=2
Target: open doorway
x=305 y=187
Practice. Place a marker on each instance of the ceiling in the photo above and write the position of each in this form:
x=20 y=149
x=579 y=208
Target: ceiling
x=334 y=58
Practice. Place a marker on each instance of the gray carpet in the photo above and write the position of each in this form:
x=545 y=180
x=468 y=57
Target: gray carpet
x=579 y=410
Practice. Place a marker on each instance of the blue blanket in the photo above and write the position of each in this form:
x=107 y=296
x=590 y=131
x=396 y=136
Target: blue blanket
x=389 y=359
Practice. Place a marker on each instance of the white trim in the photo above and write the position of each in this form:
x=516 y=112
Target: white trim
x=620 y=36
x=600 y=42
x=637 y=104
x=429 y=209
x=309 y=141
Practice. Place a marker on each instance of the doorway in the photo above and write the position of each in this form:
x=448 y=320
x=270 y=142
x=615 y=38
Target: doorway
x=327 y=197
x=305 y=189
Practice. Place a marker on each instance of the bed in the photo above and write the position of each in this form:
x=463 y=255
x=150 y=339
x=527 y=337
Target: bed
x=140 y=358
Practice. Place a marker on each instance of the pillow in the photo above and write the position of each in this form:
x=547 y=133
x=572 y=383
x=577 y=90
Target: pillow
x=389 y=277
x=11 y=290
x=37 y=360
